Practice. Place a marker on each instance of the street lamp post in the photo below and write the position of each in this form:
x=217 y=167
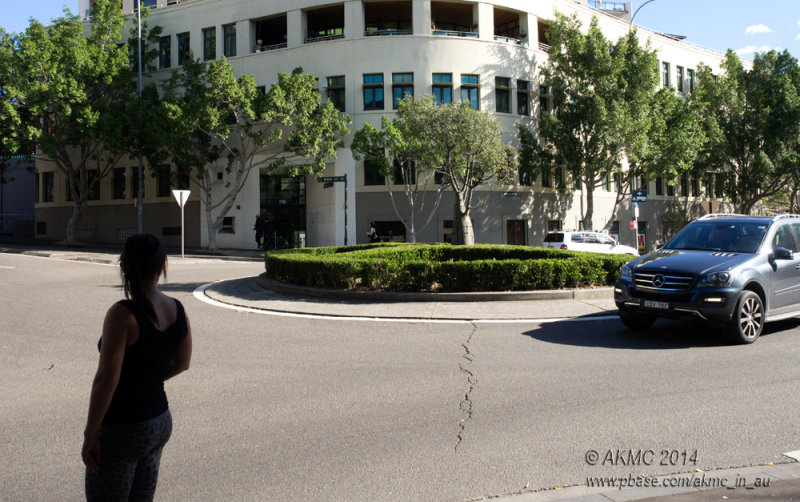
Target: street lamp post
x=140 y=195
x=630 y=24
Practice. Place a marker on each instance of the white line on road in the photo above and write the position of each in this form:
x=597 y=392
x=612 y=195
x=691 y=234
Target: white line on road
x=793 y=454
x=5 y=266
x=199 y=293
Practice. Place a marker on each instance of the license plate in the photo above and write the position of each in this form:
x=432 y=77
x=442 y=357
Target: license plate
x=656 y=305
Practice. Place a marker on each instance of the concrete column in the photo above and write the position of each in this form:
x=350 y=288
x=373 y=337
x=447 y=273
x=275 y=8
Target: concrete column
x=354 y=24
x=296 y=25
x=524 y=27
x=245 y=37
x=421 y=17
x=483 y=14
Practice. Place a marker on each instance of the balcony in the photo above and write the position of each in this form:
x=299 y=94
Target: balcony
x=325 y=24
x=386 y=19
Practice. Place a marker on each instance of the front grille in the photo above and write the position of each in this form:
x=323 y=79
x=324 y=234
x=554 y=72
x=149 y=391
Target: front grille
x=659 y=281
x=661 y=296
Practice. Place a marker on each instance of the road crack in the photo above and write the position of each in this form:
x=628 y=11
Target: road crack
x=466 y=404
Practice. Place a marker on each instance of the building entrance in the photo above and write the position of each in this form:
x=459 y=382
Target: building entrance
x=283 y=201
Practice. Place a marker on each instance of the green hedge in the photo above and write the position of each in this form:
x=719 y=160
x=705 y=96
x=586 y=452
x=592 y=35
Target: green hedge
x=442 y=267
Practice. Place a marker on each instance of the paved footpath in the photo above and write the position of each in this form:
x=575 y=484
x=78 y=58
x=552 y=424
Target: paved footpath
x=779 y=482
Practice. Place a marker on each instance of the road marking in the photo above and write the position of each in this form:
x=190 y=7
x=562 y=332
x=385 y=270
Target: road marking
x=793 y=455
x=5 y=266
x=56 y=258
x=200 y=294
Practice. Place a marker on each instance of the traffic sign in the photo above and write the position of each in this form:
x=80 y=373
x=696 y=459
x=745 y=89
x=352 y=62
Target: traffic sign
x=640 y=195
x=331 y=179
x=181 y=196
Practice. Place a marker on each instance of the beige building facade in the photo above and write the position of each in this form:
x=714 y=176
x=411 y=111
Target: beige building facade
x=365 y=53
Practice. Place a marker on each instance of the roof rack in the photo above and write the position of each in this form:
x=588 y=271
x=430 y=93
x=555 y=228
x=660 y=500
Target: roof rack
x=722 y=215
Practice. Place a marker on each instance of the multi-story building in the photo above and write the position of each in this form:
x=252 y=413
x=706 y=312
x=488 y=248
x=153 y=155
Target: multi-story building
x=365 y=54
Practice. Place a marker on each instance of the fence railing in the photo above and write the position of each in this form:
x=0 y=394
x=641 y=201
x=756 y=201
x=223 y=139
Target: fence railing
x=9 y=220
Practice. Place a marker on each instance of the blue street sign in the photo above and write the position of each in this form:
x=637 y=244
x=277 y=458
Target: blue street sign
x=640 y=195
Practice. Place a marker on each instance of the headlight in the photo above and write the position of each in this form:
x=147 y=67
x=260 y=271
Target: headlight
x=626 y=274
x=717 y=280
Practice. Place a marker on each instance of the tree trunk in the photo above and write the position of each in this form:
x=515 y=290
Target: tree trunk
x=587 y=220
x=72 y=225
x=462 y=225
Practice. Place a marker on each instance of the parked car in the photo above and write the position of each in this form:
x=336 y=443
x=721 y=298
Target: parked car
x=732 y=271
x=597 y=242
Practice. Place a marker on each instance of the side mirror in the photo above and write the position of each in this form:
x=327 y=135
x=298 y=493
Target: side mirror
x=782 y=254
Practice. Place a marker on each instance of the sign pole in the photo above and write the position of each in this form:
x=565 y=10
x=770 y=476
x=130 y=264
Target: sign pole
x=181 y=196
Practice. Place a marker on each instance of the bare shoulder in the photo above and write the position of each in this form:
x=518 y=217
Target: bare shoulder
x=119 y=322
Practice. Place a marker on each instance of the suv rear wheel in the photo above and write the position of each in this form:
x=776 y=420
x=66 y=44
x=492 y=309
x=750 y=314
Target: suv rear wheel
x=636 y=321
x=748 y=318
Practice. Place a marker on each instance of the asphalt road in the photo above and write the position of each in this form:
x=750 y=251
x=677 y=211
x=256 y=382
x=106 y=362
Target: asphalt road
x=279 y=408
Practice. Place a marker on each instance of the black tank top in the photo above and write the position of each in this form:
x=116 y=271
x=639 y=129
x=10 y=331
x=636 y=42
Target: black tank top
x=140 y=395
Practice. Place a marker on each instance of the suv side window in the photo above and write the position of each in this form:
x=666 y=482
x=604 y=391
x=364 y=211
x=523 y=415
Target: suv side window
x=578 y=237
x=784 y=239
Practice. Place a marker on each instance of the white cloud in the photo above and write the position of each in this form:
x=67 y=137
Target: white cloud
x=752 y=49
x=798 y=35
x=756 y=29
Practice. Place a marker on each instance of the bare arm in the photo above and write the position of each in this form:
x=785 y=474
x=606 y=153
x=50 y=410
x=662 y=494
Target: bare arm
x=183 y=356
x=119 y=326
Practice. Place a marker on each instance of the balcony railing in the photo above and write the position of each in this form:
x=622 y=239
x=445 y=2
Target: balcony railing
x=386 y=33
x=544 y=47
x=467 y=34
x=270 y=47
x=616 y=7
x=312 y=40
x=509 y=40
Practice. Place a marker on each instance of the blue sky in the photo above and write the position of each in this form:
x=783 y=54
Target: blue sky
x=742 y=25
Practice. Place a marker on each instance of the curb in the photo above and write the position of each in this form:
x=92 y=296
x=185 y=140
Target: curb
x=395 y=296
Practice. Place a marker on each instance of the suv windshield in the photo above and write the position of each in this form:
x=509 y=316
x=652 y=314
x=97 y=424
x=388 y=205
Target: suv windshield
x=732 y=237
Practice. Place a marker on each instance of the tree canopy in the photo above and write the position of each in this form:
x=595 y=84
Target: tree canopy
x=752 y=123
x=212 y=115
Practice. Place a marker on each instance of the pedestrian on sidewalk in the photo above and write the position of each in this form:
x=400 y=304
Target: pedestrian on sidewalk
x=146 y=340
x=372 y=234
x=259 y=228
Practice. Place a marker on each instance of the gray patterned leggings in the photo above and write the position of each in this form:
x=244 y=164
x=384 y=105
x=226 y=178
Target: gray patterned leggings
x=129 y=458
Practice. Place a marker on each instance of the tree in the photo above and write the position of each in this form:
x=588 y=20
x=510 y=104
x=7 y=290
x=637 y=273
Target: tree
x=463 y=145
x=605 y=110
x=213 y=114
x=752 y=123
x=77 y=89
x=392 y=149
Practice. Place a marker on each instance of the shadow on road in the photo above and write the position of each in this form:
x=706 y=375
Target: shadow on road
x=665 y=334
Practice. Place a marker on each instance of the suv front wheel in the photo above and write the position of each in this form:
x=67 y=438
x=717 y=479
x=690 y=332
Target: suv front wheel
x=748 y=318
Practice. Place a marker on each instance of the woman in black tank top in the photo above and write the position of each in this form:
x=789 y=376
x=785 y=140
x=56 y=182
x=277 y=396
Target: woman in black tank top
x=146 y=339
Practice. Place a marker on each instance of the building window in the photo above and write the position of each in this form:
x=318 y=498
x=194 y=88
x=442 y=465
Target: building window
x=470 y=91
x=547 y=179
x=183 y=48
x=502 y=93
x=690 y=74
x=48 y=184
x=228 y=225
x=373 y=91
x=164 y=178
x=719 y=185
x=659 y=186
x=209 y=44
x=684 y=185
x=680 y=78
x=336 y=92
x=447 y=231
x=443 y=88
x=670 y=190
x=402 y=86
x=372 y=173
x=94 y=184
x=695 y=187
x=399 y=176
x=545 y=99
x=165 y=52
x=665 y=75
x=523 y=98
x=183 y=179
x=118 y=183
x=69 y=190
x=229 y=40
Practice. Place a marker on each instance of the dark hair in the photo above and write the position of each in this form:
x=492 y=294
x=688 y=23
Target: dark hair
x=143 y=256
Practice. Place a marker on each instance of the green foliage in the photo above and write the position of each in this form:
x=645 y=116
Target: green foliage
x=77 y=90
x=752 y=121
x=442 y=267
x=606 y=109
x=212 y=115
x=461 y=144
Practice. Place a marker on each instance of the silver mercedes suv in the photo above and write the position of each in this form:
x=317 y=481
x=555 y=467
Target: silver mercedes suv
x=733 y=271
